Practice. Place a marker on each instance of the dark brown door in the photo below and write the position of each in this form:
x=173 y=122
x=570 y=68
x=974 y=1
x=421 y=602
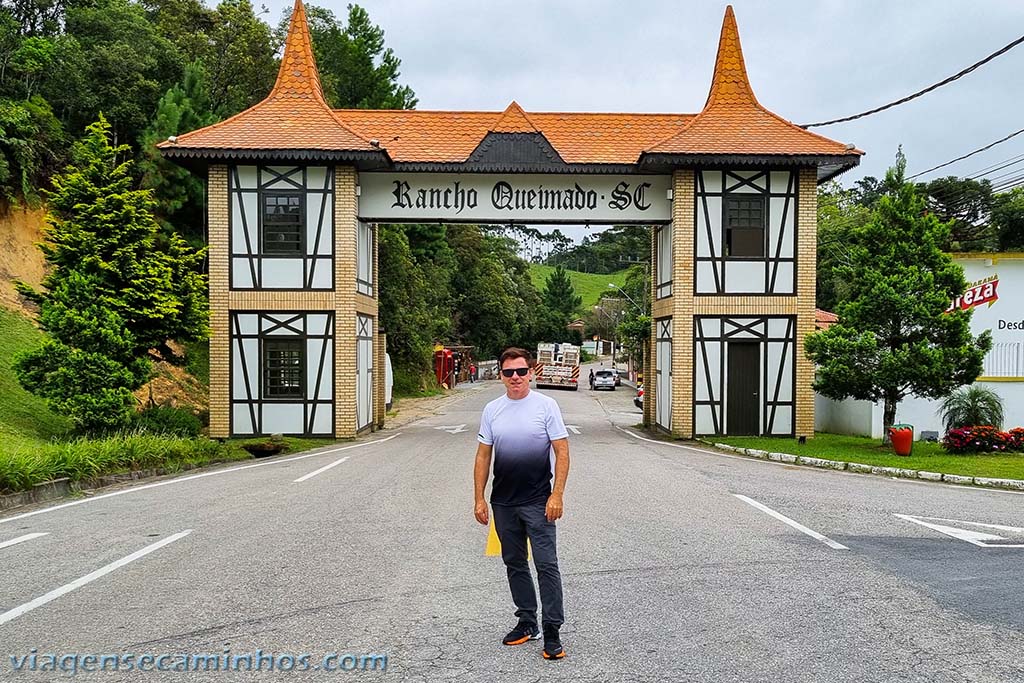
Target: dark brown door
x=744 y=380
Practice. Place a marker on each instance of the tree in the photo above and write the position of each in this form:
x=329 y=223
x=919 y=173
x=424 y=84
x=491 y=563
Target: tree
x=31 y=146
x=115 y=289
x=1008 y=219
x=840 y=213
x=127 y=66
x=180 y=195
x=559 y=294
x=897 y=333
x=967 y=205
x=240 y=60
x=356 y=70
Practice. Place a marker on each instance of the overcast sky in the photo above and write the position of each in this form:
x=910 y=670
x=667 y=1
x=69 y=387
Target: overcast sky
x=807 y=61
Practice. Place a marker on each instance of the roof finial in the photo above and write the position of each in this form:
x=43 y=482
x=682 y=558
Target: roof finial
x=730 y=84
x=298 y=75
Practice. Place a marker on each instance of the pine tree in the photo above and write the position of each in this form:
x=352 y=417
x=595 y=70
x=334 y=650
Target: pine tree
x=116 y=288
x=559 y=294
x=895 y=334
x=179 y=194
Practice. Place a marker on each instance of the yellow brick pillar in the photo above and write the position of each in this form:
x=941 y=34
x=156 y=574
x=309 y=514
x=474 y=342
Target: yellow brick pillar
x=649 y=357
x=380 y=343
x=218 y=207
x=807 y=241
x=683 y=227
x=379 y=378
x=345 y=236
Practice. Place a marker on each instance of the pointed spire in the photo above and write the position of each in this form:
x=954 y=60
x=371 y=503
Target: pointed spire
x=298 y=76
x=730 y=84
x=514 y=120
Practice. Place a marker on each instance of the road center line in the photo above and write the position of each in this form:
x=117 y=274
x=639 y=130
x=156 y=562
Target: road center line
x=89 y=578
x=20 y=539
x=178 y=480
x=319 y=471
x=796 y=525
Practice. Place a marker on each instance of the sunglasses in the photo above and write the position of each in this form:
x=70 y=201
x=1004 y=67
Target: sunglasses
x=515 y=371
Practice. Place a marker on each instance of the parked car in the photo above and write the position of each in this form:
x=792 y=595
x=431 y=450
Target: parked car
x=638 y=400
x=618 y=376
x=604 y=379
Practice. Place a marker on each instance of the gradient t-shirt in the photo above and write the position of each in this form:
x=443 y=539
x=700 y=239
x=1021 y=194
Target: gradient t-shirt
x=521 y=432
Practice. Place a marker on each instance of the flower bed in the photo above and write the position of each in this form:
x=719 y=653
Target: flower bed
x=983 y=439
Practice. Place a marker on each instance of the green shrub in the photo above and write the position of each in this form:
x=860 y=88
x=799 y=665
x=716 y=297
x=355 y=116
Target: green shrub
x=970 y=406
x=168 y=421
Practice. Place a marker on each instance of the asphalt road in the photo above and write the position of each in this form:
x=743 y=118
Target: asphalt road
x=669 y=574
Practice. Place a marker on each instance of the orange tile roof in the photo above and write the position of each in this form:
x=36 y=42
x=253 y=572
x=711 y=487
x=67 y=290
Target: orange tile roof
x=733 y=122
x=295 y=114
x=824 y=319
x=451 y=136
x=513 y=120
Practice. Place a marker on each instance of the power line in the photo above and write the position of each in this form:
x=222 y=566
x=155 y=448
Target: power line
x=998 y=166
x=908 y=98
x=969 y=154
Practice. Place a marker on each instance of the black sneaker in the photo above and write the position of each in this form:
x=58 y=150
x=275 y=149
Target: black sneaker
x=522 y=633
x=552 y=644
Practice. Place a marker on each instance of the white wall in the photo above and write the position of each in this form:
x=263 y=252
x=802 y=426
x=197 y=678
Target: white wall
x=857 y=418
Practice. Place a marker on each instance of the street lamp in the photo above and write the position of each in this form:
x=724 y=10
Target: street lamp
x=612 y=285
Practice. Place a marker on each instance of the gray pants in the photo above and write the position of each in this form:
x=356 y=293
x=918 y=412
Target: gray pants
x=514 y=525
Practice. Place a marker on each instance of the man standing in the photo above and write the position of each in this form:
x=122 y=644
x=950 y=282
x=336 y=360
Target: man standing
x=524 y=429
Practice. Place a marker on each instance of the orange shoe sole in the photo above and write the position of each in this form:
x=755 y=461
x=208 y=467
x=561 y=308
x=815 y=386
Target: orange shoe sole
x=558 y=656
x=522 y=640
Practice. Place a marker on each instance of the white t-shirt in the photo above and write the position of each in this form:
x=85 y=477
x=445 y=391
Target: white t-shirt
x=521 y=432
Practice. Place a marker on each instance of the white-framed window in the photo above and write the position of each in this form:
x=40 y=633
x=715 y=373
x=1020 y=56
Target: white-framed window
x=664 y=263
x=364 y=259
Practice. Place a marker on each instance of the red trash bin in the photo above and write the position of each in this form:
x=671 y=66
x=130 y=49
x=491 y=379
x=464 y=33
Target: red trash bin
x=902 y=437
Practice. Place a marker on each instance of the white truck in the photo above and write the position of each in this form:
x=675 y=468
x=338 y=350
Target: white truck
x=558 y=365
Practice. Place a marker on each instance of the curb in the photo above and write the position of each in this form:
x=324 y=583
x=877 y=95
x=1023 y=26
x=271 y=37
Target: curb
x=859 y=468
x=59 y=488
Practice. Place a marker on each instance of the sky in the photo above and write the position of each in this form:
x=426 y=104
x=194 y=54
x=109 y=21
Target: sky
x=807 y=61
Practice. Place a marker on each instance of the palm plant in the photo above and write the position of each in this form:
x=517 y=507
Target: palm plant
x=971 y=407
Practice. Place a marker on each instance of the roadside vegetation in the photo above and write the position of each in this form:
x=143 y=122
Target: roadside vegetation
x=927 y=456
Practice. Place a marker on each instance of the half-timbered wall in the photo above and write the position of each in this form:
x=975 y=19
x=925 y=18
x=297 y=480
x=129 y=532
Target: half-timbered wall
x=281 y=227
x=282 y=373
x=364 y=371
x=775 y=382
x=663 y=373
x=745 y=232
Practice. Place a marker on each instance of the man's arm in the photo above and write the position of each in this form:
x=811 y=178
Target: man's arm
x=480 y=471
x=553 y=510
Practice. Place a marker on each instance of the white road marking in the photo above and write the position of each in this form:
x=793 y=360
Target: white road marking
x=178 y=480
x=319 y=471
x=977 y=538
x=899 y=481
x=573 y=428
x=796 y=525
x=453 y=429
x=89 y=578
x=20 y=539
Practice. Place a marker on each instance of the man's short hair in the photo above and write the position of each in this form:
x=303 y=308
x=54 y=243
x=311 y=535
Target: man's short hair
x=515 y=352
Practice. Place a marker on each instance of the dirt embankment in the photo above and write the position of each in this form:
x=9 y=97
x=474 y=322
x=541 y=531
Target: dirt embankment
x=20 y=259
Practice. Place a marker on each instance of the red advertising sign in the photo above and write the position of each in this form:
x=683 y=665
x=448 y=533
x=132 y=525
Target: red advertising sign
x=978 y=293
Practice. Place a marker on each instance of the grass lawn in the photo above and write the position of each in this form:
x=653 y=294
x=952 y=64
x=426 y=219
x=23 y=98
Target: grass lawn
x=23 y=416
x=587 y=285
x=926 y=456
